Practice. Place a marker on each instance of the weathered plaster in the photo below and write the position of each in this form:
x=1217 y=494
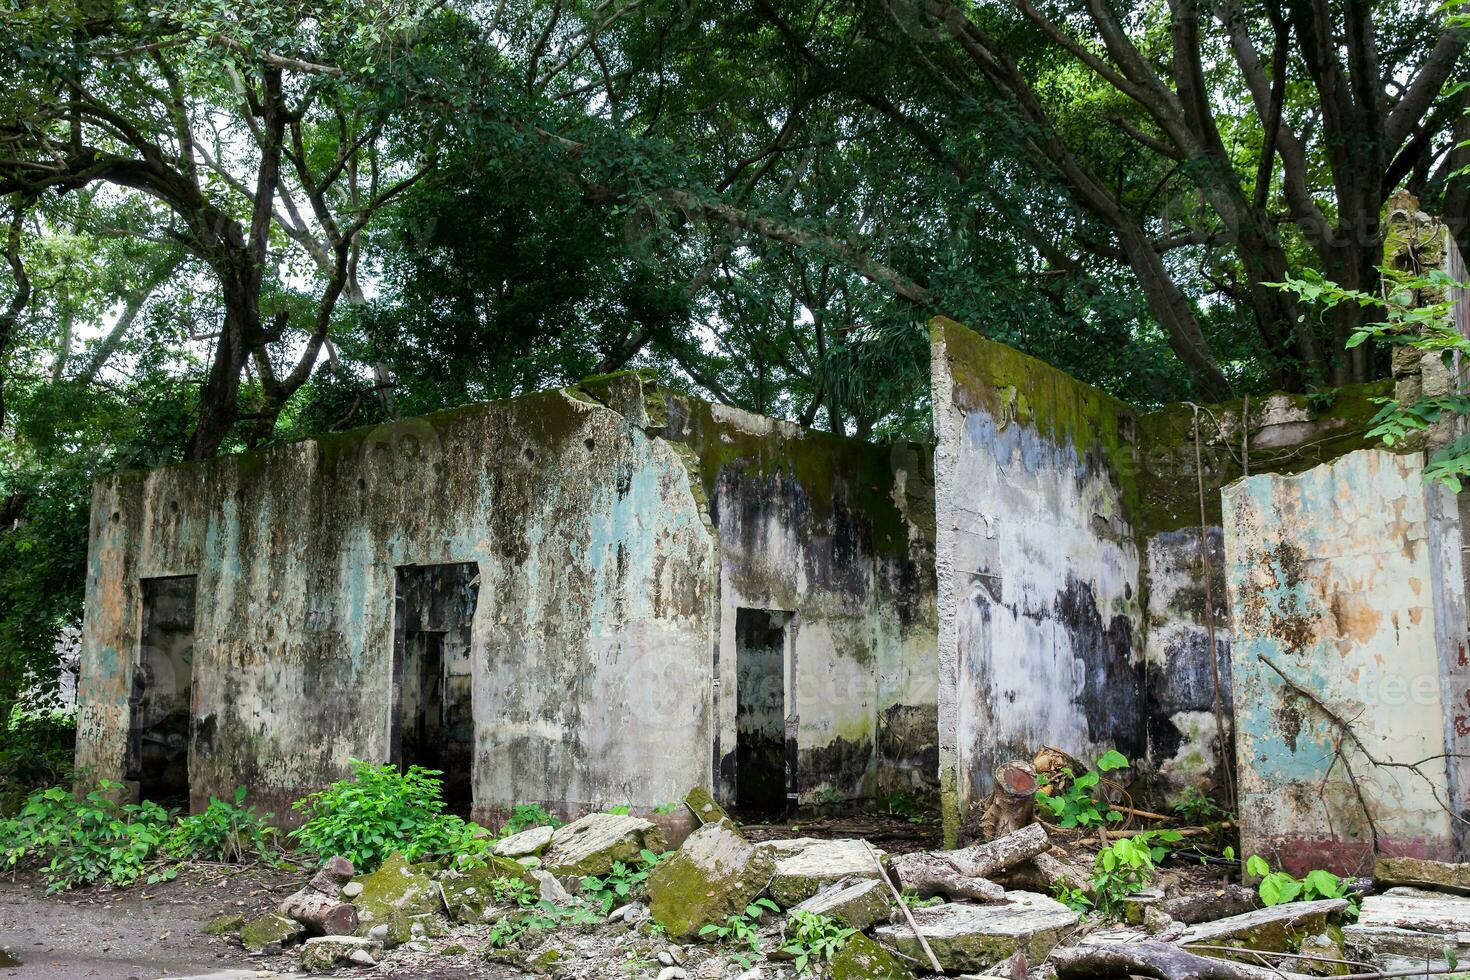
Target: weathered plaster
x=1040 y=622
x=1335 y=582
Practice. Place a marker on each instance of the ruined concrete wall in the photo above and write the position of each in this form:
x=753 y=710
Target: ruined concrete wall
x=1039 y=614
x=1277 y=433
x=1344 y=582
x=591 y=637
x=838 y=533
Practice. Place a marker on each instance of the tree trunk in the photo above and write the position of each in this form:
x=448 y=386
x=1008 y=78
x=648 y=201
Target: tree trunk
x=219 y=393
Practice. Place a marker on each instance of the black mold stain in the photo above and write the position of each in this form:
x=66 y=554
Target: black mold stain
x=908 y=743
x=1112 y=695
x=840 y=763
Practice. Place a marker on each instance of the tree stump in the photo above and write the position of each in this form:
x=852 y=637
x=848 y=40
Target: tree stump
x=1010 y=806
x=318 y=904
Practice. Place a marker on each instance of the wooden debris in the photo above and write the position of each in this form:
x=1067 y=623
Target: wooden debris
x=1163 y=961
x=966 y=873
x=1010 y=806
x=1206 y=906
x=318 y=905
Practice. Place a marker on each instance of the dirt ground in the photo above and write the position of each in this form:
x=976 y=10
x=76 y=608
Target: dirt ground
x=141 y=932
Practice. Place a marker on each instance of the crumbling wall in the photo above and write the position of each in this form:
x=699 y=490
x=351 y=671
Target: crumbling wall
x=591 y=636
x=1039 y=614
x=839 y=533
x=1348 y=662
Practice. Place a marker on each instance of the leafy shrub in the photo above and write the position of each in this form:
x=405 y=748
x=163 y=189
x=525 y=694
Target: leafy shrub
x=381 y=810
x=81 y=842
x=1073 y=803
x=538 y=916
x=1280 y=887
x=1071 y=896
x=1196 y=807
x=35 y=752
x=812 y=938
x=225 y=832
x=1127 y=865
x=621 y=884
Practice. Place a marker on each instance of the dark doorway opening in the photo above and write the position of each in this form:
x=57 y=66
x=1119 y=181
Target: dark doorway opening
x=162 y=700
x=433 y=714
x=762 y=772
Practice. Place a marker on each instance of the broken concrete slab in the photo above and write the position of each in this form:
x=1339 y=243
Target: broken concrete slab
x=325 y=953
x=1416 y=909
x=589 y=846
x=1381 y=943
x=858 y=904
x=1276 y=929
x=223 y=925
x=862 y=959
x=528 y=843
x=467 y=891
x=270 y=931
x=703 y=806
x=1419 y=873
x=715 y=874
x=397 y=890
x=805 y=865
x=976 y=937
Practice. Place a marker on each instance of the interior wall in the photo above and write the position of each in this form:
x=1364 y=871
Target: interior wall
x=1039 y=614
x=1344 y=584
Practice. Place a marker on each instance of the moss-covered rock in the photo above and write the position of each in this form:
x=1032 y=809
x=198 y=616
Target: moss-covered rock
x=1435 y=875
x=270 y=930
x=976 y=937
x=528 y=843
x=468 y=891
x=223 y=925
x=589 y=846
x=862 y=959
x=804 y=866
x=1278 y=929
x=857 y=904
x=395 y=893
x=329 y=952
x=703 y=806
x=716 y=873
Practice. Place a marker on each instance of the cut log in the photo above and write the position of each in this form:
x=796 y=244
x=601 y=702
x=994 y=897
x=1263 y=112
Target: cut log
x=1206 y=906
x=318 y=904
x=1153 y=959
x=966 y=873
x=1041 y=873
x=1010 y=806
x=321 y=914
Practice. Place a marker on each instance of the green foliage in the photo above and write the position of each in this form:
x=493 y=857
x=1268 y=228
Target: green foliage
x=524 y=816
x=623 y=883
x=381 y=810
x=905 y=806
x=1073 y=803
x=1074 y=898
x=541 y=915
x=80 y=842
x=225 y=831
x=912 y=900
x=1280 y=887
x=742 y=929
x=1195 y=807
x=35 y=752
x=514 y=890
x=1417 y=311
x=1126 y=866
x=812 y=939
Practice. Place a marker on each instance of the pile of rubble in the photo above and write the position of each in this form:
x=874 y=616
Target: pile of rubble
x=982 y=910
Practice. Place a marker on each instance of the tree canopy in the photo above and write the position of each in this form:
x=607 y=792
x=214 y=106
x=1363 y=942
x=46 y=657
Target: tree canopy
x=226 y=224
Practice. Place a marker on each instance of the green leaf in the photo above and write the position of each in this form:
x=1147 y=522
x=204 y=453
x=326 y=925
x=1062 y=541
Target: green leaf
x=1112 y=759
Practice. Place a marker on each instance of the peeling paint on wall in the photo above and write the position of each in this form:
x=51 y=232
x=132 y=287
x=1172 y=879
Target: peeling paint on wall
x=1336 y=590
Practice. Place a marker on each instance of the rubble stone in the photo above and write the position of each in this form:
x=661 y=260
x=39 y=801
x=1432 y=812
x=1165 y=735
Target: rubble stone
x=270 y=931
x=805 y=865
x=1436 y=875
x=223 y=925
x=1413 y=908
x=589 y=846
x=857 y=904
x=716 y=873
x=704 y=807
x=976 y=937
x=467 y=891
x=328 y=952
x=1276 y=929
x=1380 y=943
x=528 y=843
x=395 y=889
x=862 y=959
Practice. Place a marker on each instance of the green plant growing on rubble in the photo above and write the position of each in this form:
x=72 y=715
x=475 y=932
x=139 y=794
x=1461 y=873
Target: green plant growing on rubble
x=539 y=916
x=1126 y=866
x=912 y=900
x=1281 y=887
x=524 y=816
x=1072 y=897
x=381 y=810
x=812 y=938
x=741 y=929
x=1197 y=808
x=622 y=883
x=1073 y=804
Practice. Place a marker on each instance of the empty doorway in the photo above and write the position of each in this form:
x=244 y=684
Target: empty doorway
x=163 y=692
x=433 y=721
x=762 y=772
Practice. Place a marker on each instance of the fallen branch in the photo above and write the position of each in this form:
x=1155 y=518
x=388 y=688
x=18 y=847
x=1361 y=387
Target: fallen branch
x=903 y=907
x=1161 y=961
x=966 y=873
